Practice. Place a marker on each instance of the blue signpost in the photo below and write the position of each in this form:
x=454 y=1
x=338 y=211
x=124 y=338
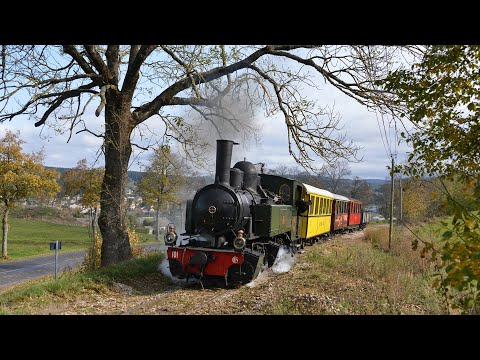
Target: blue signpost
x=56 y=245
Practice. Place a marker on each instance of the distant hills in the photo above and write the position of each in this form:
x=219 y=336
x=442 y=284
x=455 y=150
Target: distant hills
x=376 y=182
x=137 y=175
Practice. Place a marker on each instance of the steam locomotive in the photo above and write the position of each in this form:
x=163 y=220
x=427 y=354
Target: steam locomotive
x=236 y=226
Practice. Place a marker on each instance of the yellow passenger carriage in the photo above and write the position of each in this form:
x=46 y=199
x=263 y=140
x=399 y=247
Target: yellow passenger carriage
x=316 y=220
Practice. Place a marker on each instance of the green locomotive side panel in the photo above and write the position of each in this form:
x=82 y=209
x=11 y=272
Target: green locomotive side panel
x=271 y=220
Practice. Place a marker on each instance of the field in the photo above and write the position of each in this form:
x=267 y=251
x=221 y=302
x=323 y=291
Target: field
x=31 y=237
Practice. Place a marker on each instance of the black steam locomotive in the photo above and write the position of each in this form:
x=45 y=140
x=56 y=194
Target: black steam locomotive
x=235 y=226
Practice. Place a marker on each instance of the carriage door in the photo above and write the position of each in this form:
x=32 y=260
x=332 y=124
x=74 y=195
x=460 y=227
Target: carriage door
x=295 y=227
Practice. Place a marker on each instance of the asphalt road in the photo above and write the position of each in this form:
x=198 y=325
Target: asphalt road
x=15 y=272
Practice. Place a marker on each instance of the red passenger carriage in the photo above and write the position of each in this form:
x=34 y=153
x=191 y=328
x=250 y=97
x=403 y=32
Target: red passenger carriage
x=339 y=213
x=354 y=214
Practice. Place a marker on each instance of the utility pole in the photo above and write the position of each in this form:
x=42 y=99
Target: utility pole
x=401 y=200
x=391 y=211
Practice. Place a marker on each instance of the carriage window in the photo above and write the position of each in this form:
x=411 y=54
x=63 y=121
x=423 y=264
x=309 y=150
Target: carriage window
x=310 y=208
x=316 y=204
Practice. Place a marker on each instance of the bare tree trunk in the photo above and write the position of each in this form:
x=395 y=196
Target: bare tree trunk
x=112 y=220
x=5 y=231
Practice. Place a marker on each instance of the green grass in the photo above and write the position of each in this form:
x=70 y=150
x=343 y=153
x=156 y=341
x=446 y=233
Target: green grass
x=28 y=237
x=434 y=229
x=138 y=273
x=361 y=277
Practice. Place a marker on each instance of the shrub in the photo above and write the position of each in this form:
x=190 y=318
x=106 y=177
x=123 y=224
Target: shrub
x=142 y=231
x=148 y=222
x=93 y=254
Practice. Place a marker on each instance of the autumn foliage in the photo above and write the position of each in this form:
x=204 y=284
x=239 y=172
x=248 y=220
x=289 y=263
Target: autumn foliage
x=441 y=98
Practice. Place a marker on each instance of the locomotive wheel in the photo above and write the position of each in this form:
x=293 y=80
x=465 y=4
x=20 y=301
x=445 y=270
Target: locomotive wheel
x=240 y=273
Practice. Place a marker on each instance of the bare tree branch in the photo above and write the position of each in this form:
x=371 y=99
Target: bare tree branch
x=103 y=101
x=140 y=147
x=134 y=65
x=165 y=98
x=113 y=61
x=97 y=61
x=133 y=53
x=4 y=50
x=61 y=98
x=72 y=51
x=90 y=132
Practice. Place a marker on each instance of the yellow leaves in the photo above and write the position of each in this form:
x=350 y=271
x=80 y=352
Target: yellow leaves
x=85 y=182
x=471 y=224
x=23 y=175
x=163 y=178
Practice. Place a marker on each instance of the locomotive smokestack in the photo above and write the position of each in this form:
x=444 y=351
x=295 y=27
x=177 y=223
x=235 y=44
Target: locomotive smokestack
x=224 y=159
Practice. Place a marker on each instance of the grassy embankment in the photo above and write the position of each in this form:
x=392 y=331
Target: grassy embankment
x=361 y=277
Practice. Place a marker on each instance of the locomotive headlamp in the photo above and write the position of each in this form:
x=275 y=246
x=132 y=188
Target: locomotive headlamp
x=239 y=242
x=171 y=236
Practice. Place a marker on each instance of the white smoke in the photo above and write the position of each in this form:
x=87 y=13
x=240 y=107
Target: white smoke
x=164 y=268
x=261 y=278
x=284 y=260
